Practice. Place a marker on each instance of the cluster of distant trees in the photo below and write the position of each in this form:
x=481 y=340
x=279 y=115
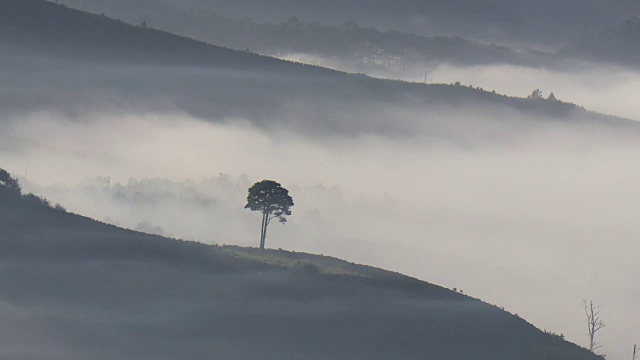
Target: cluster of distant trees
x=537 y=95
x=11 y=193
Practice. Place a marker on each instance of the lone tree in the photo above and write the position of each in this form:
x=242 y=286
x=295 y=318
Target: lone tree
x=272 y=200
x=594 y=323
x=636 y=352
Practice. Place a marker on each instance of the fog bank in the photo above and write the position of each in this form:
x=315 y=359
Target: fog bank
x=518 y=223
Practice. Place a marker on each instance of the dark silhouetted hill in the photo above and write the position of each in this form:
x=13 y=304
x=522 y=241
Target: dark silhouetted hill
x=73 y=288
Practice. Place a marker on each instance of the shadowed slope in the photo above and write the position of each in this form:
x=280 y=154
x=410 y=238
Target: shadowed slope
x=44 y=28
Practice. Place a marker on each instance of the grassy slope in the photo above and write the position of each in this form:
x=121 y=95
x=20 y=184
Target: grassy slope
x=71 y=287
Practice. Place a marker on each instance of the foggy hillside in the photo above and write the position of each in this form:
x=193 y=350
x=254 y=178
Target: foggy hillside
x=350 y=46
x=545 y=23
x=73 y=288
x=73 y=61
x=347 y=42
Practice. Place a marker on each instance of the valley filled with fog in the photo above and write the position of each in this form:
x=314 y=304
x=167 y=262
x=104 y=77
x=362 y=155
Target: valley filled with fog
x=510 y=212
x=529 y=204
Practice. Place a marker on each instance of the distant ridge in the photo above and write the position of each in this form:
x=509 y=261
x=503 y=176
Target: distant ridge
x=347 y=41
x=545 y=22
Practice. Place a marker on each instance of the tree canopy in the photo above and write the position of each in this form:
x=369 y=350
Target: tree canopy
x=7 y=182
x=272 y=200
x=536 y=95
x=9 y=187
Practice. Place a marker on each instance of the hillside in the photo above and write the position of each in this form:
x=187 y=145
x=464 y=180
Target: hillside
x=72 y=287
x=43 y=28
x=73 y=62
x=347 y=42
x=619 y=44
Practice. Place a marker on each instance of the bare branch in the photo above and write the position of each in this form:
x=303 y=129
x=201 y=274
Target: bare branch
x=594 y=323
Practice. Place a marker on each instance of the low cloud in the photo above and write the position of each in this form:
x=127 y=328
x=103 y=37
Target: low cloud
x=535 y=222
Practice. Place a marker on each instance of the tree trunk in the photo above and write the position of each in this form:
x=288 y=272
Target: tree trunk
x=263 y=230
